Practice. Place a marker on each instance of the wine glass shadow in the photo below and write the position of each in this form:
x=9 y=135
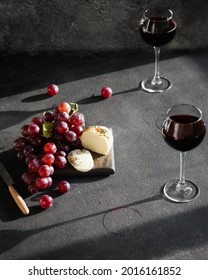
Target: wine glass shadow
x=99 y=98
x=13 y=237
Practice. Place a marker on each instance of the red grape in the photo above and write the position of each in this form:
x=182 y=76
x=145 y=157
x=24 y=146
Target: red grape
x=29 y=158
x=34 y=130
x=63 y=116
x=63 y=186
x=34 y=165
x=28 y=178
x=106 y=92
x=77 y=129
x=48 y=159
x=70 y=136
x=46 y=201
x=62 y=127
x=28 y=150
x=24 y=130
x=37 y=120
x=50 y=148
x=36 y=141
x=64 y=107
x=48 y=116
x=41 y=182
x=63 y=146
x=53 y=89
x=20 y=143
x=44 y=171
x=60 y=162
x=77 y=119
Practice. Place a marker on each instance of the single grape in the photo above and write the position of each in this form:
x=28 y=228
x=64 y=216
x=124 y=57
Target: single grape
x=57 y=137
x=62 y=127
x=44 y=171
x=34 y=165
x=48 y=159
x=106 y=92
x=38 y=120
x=28 y=178
x=53 y=89
x=24 y=130
x=29 y=158
x=70 y=136
x=78 y=129
x=77 y=119
x=50 y=148
x=20 y=143
x=34 y=130
x=48 y=116
x=46 y=201
x=63 y=116
x=41 y=183
x=28 y=150
x=63 y=186
x=36 y=141
x=64 y=107
x=60 y=162
x=63 y=146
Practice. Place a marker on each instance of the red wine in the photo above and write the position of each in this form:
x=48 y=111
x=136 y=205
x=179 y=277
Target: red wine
x=183 y=132
x=157 y=31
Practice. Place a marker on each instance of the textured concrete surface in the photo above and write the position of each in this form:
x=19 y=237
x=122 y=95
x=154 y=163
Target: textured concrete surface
x=123 y=216
x=93 y=25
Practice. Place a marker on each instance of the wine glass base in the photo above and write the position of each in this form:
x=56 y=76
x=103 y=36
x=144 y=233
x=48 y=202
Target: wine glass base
x=171 y=193
x=148 y=86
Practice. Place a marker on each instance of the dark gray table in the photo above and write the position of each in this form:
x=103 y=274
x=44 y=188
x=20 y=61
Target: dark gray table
x=122 y=216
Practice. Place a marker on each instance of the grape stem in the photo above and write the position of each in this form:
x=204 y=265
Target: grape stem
x=74 y=107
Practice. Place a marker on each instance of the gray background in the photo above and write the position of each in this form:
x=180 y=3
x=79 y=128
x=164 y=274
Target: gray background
x=93 y=25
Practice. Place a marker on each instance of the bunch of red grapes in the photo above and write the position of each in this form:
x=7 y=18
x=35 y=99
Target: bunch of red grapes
x=44 y=145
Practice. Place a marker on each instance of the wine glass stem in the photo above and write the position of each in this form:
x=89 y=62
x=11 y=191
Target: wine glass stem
x=156 y=79
x=182 y=183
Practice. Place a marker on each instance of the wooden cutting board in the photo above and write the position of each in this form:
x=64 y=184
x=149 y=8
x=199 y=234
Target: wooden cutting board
x=103 y=165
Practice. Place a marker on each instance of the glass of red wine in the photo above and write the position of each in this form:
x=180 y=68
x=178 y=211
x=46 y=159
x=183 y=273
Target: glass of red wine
x=157 y=28
x=183 y=130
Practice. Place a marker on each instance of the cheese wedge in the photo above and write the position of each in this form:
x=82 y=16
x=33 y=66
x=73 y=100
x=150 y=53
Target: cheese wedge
x=97 y=139
x=81 y=160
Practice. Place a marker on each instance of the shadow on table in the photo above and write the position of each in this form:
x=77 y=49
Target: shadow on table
x=10 y=118
x=152 y=240
x=25 y=72
x=98 y=98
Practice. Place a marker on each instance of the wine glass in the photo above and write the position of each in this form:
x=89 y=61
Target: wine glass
x=183 y=130
x=157 y=28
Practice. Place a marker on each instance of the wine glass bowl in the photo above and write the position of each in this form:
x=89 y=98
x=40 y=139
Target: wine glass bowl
x=183 y=130
x=157 y=28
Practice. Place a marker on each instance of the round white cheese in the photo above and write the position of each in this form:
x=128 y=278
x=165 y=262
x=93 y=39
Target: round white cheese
x=97 y=139
x=81 y=160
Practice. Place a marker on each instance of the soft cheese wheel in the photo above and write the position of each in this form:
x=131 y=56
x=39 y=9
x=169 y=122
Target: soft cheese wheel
x=97 y=139
x=81 y=160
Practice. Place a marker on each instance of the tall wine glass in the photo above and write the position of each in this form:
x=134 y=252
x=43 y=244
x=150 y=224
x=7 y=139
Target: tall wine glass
x=183 y=130
x=157 y=28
